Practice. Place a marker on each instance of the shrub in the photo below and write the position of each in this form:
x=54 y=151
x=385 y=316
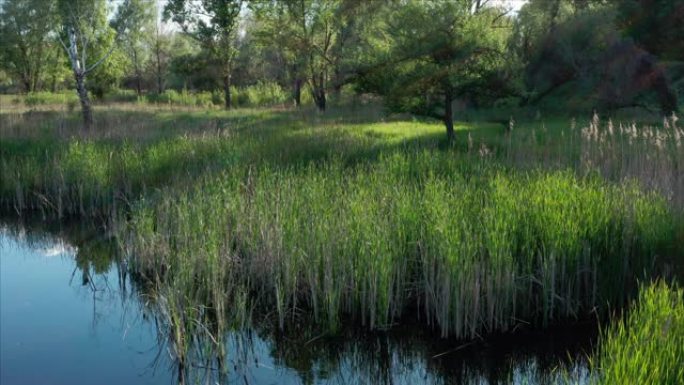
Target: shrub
x=42 y=98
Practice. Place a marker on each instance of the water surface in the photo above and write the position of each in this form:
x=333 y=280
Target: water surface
x=70 y=313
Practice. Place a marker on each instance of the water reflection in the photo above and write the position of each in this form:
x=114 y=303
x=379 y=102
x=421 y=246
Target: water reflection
x=72 y=312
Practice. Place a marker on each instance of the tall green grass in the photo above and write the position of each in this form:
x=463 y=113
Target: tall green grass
x=469 y=248
x=647 y=346
x=346 y=218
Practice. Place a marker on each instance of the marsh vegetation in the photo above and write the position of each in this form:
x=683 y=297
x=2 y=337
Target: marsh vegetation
x=248 y=201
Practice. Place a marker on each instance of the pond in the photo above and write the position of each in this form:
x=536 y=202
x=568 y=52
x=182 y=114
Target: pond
x=71 y=313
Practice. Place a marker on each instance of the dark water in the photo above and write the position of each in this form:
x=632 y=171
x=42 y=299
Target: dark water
x=71 y=314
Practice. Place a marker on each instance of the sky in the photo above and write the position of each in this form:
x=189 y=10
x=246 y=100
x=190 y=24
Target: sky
x=515 y=4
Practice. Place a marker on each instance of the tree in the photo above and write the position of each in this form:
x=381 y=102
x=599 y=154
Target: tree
x=314 y=37
x=88 y=41
x=136 y=23
x=317 y=30
x=161 y=57
x=57 y=70
x=433 y=52
x=187 y=62
x=275 y=27
x=25 y=27
x=213 y=23
x=655 y=25
x=580 y=49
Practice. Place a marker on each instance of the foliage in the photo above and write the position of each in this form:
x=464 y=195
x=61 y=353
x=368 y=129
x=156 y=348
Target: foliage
x=213 y=24
x=585 y=60
x=40 y=98
x=102 y=58
x=26 y=43
x=656 y=25
x=135 y=22
x=437 y=51
x=647 y=346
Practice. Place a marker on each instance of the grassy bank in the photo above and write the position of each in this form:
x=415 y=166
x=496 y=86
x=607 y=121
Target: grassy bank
x=356 y=215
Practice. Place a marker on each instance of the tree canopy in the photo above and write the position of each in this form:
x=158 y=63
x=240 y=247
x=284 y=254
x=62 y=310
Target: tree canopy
x=418 y=56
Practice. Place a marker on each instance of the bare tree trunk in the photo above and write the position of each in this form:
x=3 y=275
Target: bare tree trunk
x=226 y=91
x=158 y=56
x=449 y=114
x=319 y=92
x=319 y=98
x=85 y=101
x=138 y=76
x=322 y=101
x=160 y=84
x=297 y=93
x=27 y=85
x=337 y=86
x=138 y=84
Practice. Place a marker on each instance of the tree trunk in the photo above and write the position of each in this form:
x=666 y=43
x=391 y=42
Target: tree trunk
x=319 y=93
x=85 y=102
x=138 y=76
x=138 y=84
x=297 y=93
x=158 y=56
x=226 y=91
x=337 y=87
x=319 y=98
x=27 y=84
x=449 y=114
x=160 y=84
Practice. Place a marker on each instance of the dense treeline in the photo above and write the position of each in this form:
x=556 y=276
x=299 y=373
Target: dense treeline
x=424 y=57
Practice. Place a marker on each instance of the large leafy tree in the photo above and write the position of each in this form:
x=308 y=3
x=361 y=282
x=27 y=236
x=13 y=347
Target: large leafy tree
x=432 y=52
x=160 y=46
x=213 y=23
x=655 y=25
x=577 y=51
x=136 y=23
x=25 y=27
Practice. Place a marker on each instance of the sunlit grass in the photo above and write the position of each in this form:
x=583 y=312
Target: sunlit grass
x=352 y=215
x=647 y=346
x=473 y=247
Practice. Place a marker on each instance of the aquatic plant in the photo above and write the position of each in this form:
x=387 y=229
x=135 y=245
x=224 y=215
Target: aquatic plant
x=647 y=345
x=472 y=247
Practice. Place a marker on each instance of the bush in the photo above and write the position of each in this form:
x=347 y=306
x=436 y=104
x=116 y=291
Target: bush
x=43 y=98
x=259 y=95
x=120 y=96
x=184 y=98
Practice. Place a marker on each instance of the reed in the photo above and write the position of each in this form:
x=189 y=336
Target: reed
x=647 y=346
x=275 y=213
x=471 y=247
